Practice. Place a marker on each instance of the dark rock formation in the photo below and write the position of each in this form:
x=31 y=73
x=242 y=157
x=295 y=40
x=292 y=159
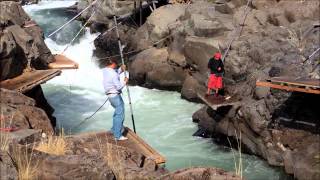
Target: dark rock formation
x=201 y=173
x=271 y=44
x=20 y=43
x=91 y=156
x=19 y=111
x=176 y=42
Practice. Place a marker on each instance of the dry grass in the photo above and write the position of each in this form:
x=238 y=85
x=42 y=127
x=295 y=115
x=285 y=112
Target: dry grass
x=4 y=137
x=26 y=166
x=112 y=157
x=53 y=144
x=238 y=164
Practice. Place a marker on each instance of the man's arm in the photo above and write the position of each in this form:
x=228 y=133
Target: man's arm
x=117 y=84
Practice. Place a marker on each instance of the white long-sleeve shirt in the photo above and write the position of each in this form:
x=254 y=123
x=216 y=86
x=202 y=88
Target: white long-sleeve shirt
x=111 y=81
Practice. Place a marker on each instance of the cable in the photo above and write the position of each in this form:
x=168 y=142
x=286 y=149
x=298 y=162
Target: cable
x=89 y=117
x=65 y=24
x=245 y=13
x=83 y=26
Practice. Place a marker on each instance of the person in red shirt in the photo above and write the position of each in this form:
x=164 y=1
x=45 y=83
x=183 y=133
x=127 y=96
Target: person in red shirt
x=216 y=68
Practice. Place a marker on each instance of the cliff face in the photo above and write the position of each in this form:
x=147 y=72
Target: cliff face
x=21 y=42
x=177 y=40
x=22 y=48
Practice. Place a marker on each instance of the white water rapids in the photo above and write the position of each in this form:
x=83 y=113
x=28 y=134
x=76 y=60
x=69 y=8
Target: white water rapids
x=162 y=118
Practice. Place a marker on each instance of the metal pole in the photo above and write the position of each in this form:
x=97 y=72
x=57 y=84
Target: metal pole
x=135 y=11
x=125 y=73
x=140 y=9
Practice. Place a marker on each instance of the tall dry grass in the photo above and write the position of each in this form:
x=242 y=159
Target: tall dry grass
x=237 y=156
x=26 y=166
x=112 y=157
x=53 y=144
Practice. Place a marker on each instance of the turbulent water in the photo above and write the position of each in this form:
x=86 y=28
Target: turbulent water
x=162 y=118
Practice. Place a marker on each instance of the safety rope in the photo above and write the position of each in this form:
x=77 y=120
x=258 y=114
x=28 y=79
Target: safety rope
x=245 y=14
x=83 y=26
x=89 y=117
x=68 y=22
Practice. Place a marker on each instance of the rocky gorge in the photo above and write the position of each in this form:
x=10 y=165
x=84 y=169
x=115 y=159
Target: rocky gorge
x=171 y=48
x=27 y=122
x=170 y=51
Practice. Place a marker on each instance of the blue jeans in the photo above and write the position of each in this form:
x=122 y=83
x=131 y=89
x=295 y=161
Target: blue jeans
x=118 y=115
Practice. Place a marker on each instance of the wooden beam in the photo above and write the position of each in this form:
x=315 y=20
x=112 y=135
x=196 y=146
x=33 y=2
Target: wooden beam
x=62 y=62
x=29 y=80
x=287 y=88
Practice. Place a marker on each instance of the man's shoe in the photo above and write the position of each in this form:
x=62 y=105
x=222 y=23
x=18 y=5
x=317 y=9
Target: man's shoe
x=122 y=138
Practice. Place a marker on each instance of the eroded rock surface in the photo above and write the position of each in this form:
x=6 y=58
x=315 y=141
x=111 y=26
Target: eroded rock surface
x=19 y=112
x=21 y=42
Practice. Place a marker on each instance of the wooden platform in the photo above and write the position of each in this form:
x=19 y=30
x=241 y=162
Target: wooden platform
x=134 y=143
x=62 y=62
x=220 y=101
x=29 y=80
x=292 y=84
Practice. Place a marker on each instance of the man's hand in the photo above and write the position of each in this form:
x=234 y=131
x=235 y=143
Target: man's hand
x=123 y=67
x=126 y=80
x=219 y=68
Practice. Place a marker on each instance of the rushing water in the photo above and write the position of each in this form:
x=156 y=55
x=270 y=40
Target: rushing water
x=162 y=118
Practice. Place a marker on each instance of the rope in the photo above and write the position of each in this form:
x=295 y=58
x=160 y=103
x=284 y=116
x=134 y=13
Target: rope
x=89 y=117
x=83 y=26
x=68 y=22
x=245 y=14
x=312 y=54
x=134 y=51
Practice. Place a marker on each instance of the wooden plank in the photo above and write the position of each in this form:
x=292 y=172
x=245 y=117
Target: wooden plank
x=220 y=101
x=146 y=148
x=287 y=88
x=29 y=80
x=314 y=83
x=62 y=62
x=134 y=142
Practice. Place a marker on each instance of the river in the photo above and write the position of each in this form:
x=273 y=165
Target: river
x=162 y=118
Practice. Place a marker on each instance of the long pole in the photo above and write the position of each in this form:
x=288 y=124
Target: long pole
x=125 y=73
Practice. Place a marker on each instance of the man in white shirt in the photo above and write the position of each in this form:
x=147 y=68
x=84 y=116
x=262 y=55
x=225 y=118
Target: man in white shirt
x=113 y=88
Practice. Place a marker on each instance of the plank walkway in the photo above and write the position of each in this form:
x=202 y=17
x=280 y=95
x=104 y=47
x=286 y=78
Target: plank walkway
x=220 y=101
x=29 y=80
x=292 y=84
x=62 y=62
x=134 y=143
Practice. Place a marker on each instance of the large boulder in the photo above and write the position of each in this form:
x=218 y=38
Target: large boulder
x=151 y=69
x=199 y=50
x=19 y=111
x=21 y=43
x=163 y=19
